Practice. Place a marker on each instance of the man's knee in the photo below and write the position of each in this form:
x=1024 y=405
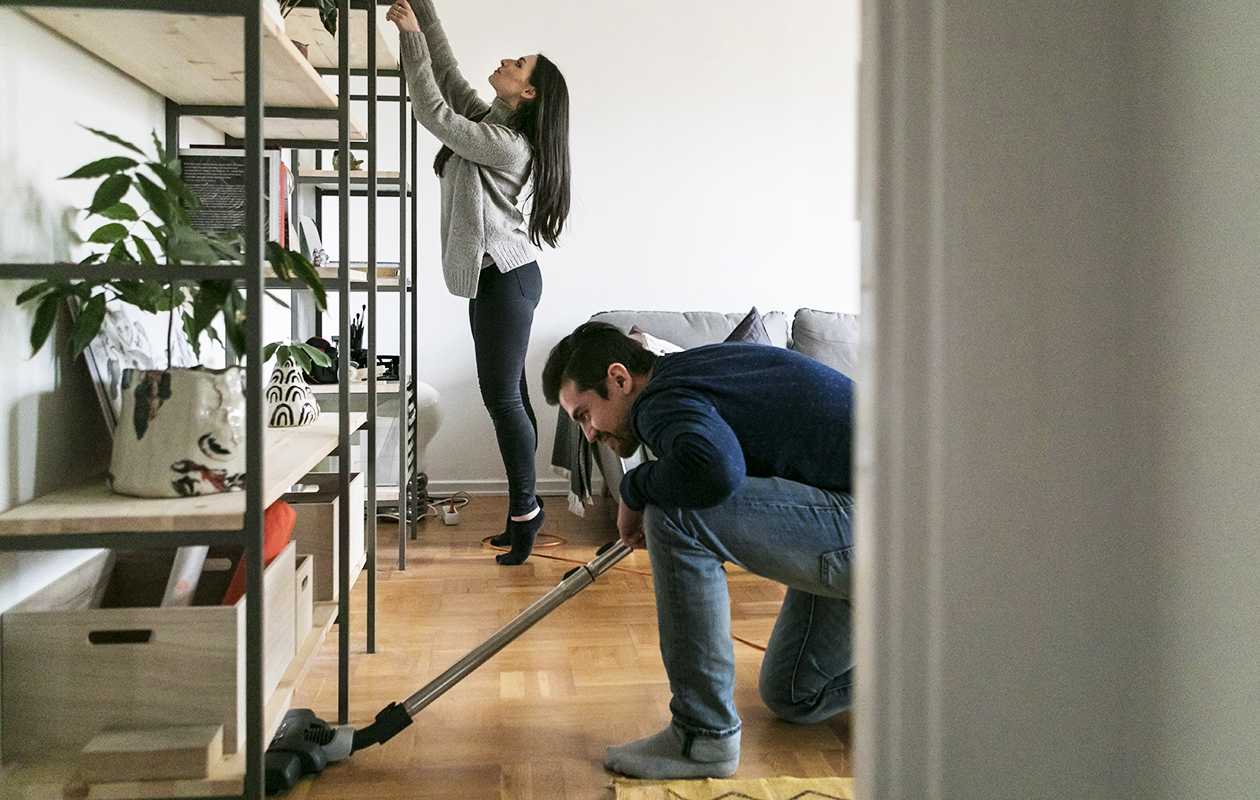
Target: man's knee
x=804 y=709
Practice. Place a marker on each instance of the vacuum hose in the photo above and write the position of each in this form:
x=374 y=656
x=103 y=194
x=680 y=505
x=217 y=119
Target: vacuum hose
x=396 y=716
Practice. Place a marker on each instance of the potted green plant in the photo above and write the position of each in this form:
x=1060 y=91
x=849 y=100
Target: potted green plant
x=327 y=16
x=182 y=430
x=290 y=402
x=327 y=12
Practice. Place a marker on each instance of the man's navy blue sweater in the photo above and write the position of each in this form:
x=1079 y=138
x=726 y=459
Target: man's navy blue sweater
x=715 y=414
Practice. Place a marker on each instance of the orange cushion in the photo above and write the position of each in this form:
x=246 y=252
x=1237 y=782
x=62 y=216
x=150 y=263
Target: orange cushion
x=278 y=521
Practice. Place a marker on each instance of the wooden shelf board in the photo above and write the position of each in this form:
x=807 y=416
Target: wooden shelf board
x=227 y=778
x=303 y=25
x=357 y=176
x=326 y=180
x=325 y=274
x=356 y=285
x=307 y=130
x=198 y=60
x=92 y=508
x=359 y=387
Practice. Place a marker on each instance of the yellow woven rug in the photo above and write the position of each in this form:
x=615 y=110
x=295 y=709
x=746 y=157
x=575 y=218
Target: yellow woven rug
x=754 y=789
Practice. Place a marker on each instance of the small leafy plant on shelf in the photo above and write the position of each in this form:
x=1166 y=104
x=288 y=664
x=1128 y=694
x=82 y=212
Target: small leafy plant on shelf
x=299 y=353
x=327 y=12
x=156 y=231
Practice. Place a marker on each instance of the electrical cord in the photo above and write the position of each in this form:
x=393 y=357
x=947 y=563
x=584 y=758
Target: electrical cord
x=460 y=499
x=432 y=507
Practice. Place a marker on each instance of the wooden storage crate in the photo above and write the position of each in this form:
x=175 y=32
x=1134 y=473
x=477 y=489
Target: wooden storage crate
x=315 y=530
x=71 y=671
x=303 y=600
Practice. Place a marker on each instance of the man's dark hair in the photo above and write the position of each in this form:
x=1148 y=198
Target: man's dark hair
x=585 y=355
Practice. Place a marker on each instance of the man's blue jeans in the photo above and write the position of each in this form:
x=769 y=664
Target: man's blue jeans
x=788 y=532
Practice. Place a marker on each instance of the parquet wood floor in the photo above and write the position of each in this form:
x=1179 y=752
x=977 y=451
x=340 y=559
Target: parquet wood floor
x=532 y=723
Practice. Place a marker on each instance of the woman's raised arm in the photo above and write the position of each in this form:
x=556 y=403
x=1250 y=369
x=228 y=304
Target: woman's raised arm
x=461 y=97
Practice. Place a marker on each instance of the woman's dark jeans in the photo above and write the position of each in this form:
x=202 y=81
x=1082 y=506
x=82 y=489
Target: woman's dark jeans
x=501 y=316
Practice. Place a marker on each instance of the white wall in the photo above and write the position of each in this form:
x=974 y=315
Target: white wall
x=714 y=160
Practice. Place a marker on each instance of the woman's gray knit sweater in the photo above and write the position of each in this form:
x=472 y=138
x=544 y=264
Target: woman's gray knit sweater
x=483 y=180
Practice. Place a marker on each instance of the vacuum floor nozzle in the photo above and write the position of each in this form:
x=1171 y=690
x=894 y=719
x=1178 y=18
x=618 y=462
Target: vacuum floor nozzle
x=303 y=745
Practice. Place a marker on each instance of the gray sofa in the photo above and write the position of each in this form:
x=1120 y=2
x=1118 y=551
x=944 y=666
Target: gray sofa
x=826 y=336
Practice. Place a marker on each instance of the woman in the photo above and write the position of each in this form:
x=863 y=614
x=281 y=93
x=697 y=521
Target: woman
x=489 y=255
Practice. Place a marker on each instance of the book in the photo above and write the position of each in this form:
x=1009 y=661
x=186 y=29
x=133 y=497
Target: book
x=217 y=177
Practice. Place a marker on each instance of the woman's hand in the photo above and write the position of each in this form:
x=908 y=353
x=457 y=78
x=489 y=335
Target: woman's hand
x=400 y=14
x=630 y=526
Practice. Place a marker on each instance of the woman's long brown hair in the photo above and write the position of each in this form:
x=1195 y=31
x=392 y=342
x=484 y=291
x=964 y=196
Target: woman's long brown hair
x=545 y=123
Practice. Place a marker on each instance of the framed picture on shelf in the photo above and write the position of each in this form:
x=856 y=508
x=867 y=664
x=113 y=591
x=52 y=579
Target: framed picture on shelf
x=129 y=339
x=216 y=175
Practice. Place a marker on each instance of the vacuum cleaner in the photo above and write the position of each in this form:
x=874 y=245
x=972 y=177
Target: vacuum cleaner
x=305 y=744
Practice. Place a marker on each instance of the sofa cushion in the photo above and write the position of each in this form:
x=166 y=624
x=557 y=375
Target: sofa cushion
x=655 y=344
x=829 y=337
x=750 y=329
x=689 y=329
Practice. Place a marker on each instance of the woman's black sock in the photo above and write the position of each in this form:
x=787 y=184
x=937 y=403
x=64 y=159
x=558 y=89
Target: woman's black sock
x=523 y=536
x=505 y=539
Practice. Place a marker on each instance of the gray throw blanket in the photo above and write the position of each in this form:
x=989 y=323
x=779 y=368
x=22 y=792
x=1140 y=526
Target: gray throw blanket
x=571 y=458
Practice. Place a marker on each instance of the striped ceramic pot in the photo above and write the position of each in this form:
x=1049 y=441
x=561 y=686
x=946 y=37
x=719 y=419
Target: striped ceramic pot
x=182 y=433
x=290 y=402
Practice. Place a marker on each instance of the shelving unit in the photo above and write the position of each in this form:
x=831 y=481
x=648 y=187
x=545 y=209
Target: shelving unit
x=227 y=62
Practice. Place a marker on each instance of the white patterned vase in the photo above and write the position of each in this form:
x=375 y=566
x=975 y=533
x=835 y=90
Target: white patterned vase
x=182 y=433
x=290 y=402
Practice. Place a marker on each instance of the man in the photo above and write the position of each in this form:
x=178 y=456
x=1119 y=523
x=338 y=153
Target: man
x=752 y=448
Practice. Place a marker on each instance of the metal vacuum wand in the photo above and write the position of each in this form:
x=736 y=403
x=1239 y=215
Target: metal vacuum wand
x=396 y=716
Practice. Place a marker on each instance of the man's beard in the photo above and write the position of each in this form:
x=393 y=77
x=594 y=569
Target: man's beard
x=623 y=443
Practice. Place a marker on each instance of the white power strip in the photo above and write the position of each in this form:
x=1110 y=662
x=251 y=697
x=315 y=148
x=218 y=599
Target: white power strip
x=450 y=514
